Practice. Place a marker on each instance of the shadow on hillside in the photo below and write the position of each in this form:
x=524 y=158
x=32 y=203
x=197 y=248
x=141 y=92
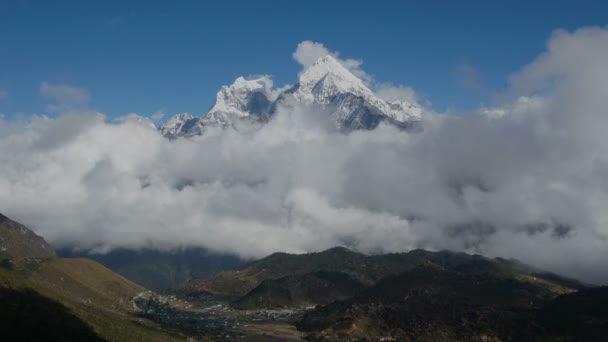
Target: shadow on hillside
x=26 y=315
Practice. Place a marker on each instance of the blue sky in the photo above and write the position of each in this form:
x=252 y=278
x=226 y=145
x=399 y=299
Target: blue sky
x=146 y=56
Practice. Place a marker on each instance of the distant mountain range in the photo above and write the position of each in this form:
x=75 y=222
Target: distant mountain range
x=366 y=269
x=159 y=270
x=326 y=84
x=415 y=296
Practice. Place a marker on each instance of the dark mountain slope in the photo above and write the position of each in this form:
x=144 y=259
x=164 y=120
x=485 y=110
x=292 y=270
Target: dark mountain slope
x=28 y=316
x=320 y=287
x=429 y=303
x=580 y=316
x=278 y=265
x=368 y=269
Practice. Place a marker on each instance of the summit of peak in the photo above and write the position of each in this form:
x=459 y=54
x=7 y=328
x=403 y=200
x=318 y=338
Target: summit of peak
x=339 y=75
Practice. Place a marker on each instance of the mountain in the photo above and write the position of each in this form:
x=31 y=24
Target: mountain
x=579 y=316
x=180 y=125
x=351 y=103
x=157 y=270
x=243 y=99
x=65 y=298
x=326 y=83
x=303 y=289
x=430 y=303
x=28 y=316
x=18 y=242
x=275 y=266
x=279 y=275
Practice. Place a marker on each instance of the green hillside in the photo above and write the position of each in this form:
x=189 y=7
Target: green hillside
x=367 y=269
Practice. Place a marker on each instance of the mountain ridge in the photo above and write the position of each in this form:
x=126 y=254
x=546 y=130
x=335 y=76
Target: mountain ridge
x=326 y=83
x=367 y=269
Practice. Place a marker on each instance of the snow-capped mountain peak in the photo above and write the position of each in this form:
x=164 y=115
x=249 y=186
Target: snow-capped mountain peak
x=330 y=71
x=177 y=124
x=354 y=106
x=328 y=83
x=242 y=99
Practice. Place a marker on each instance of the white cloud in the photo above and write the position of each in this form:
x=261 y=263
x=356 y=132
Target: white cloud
x=308 y=52
x=391 y=92
x=65 y=97
x=531 y=183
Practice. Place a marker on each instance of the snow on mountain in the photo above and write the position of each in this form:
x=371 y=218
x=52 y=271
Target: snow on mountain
x=326 y=82
x=352 y=103
x=178 y=125
x=326 y=78
x=243 y=98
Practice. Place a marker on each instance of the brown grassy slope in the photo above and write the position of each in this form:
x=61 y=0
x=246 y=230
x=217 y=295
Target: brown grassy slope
x=91 y=292
x=18 y=242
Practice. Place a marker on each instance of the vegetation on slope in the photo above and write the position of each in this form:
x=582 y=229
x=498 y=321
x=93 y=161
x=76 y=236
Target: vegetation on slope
x=319 y=287
x=429 y=303
x=18 y=242
x=579 y=316
x=89 y=291
x=91 y=299
x=367 y=269
x=28 y=316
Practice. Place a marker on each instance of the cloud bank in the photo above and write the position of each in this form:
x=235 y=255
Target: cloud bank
x=529 y=181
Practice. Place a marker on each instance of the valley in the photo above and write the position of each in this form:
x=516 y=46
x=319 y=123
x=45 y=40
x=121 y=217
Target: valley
x=333 y=295
x=211 y=317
